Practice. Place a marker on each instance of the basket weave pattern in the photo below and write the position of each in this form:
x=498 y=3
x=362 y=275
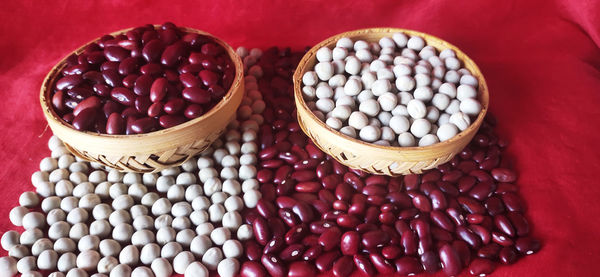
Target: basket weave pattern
x=378 y=159
x=153 y=151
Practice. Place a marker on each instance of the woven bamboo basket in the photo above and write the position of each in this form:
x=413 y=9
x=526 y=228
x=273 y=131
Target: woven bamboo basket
x=376 y=159
x=153 y=151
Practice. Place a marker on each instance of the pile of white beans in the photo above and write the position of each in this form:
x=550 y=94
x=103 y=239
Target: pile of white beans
x=399 y=91
x=85 y=221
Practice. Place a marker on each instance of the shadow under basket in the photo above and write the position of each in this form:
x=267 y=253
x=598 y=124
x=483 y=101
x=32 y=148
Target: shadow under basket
x=372 y=158
x=150 y=152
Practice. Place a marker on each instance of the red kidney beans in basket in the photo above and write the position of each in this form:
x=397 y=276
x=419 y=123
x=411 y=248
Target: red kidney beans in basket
x=146 y=79
x=464 y=216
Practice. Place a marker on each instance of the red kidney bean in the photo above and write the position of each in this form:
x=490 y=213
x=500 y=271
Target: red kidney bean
x=527 y=245
x=456 y=216
x=504 y=175
x=68 y=82
x=253 y=269
x=275 y=245
x=471 y=205
x=501 y=239
x=494 y=206
x=468 y=236
x=90 y=102
x=347 y=221
x=344 y=192
x=508 y=255
x=85 y=119
x=475 y=218
x=366 y=227
x=261 y=230
x=58 y=101
x=430 y=261
x=115 y=53
x=519 y=223
x=422 y=203
x=412 y=181
x=431 y=176
x=330 y=238
x=381 y=264
x=173 y=53
x=303 y=175
x=372 y=190
x=442 y=220
x=343 y=266
x=253 y=250
x=489 y=251
x=349 y=243
x=295 y=234
x=144 y=125
x=196 y=95
x=265 y=209
x=408 y=266
x=512 y=202
x=274 y=265
x=312 y=252
x=304 y=211
x=330 y=181
x=391 y=252
x=374 y=239
x=314 y=152
x=142 y=104
x=129 y=80
x=450 y=260
x=168 y=121
x=483 y=233
x=463 y=250
x=340 y=205
x=285 y=202
x=152 y=50
x=79 y=93
x=467 y=166
x=123 y=95
x=193 y=111
x=115 y=124
x=482 y=190
x=174 y=106
x=503 y=224
x=289 y=217
x=363 y=264
x=326 y=260
x=481 y=267
x=301 y=269
x=318 y=227
x=452 y=176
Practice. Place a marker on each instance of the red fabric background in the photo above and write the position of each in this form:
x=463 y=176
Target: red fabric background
x=541 y=60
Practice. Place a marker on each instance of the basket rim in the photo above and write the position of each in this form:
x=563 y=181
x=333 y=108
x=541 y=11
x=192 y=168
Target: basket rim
x=311 y=54
x=51 y=114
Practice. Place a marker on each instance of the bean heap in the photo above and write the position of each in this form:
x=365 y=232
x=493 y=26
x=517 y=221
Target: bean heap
x=142 y=81
x=318 y=215
x=397 y=92
x=84 y=220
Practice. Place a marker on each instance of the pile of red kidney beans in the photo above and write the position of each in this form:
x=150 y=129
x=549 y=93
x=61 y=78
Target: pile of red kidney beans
x=317 y=215
x=147 y=79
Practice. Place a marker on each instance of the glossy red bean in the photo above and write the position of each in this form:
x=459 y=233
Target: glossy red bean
x=115 y=124
x=527 y=245
x=343 y=266
x=408 y=266
x=319 y=227
x=471 y=205
x=152 y=50
x=253 y=269
x=482 y=190
x=519 y=223
x=173 y=53
x=481 y=267
x=502 y=239
x=503 y=224
x=312 y=252
x=363 y=264
x=84 y=121
x=489 y=251
x=115 y=53
x=422 y=203
x=373 y=190
x=79 y=93
x=174 y=106
x=374 y=239
x=275 y=245
x=326 y=260
x=304 y=211
x=347 y=221
x=295 y=234
x=508 y=255
x=123 y=96
x=261 y=230
x=330 y=239
x=330 y=181
x=512 y=202
x=349 y=243
x=301 y=269
x=450 y=260
x=314 y=152
x=504 y=175
x=382 y=265
x=274 y=265
x=144 y=125
x=442 y=220
x=168 y=121
x=468 y=236
x=391 y=252
x=90 y=102
x=463 y=250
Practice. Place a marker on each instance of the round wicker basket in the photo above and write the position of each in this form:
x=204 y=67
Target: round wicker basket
x=376 y=159
x=153 y=151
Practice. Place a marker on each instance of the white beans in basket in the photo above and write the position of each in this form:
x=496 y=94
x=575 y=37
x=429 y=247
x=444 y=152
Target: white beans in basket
x=403 y=76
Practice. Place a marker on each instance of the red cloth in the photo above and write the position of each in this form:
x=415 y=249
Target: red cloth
x=541 y=60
